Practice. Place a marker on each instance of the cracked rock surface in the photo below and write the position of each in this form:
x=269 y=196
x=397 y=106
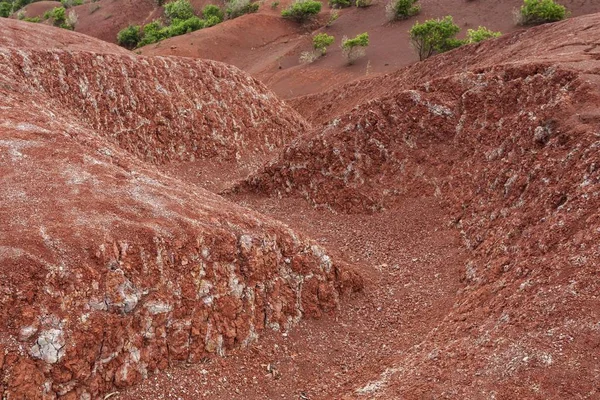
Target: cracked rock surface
x=111 y=270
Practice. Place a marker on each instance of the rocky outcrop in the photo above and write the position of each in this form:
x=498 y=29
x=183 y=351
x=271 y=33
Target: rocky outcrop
x=112 y=270
x=159 y=109
x=512 y=152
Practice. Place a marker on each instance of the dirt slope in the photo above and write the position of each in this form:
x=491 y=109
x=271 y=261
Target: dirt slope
x=165 y=111
x=103 y=19
x=566 y=42
x=39 y=8
x=269 y=48
x=511 y=152
x=111 y=270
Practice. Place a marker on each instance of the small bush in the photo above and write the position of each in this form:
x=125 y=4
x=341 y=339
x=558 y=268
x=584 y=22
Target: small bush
x=71 y=3
x=363 y=3
x=130 y=37
x=541 y=11
x=307 y=57
x=237 y=8
x=333 y=16
x=322 y=41
x=354 y=48
x=339 y=3
x=5 y=9
x=32 y=19
x=302 y=10
x=210 y=10
x=434 y=36
x=401 y=9
x=58 y=15
x=274 y=5
x=151 y=33
x=480 y=34
x=179 y=9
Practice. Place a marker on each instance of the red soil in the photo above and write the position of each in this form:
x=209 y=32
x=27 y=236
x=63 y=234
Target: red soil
x=111 y=270
x=104 y=19
x=39 y=8
x=511 y=153
x=465 y=190
x=269 y=48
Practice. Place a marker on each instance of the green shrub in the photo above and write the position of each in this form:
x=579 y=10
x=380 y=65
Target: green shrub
x=179 y=9
x=274 y=5
x=302 y=10
x=212 y=21
x=210 y=10
x=541 y=11
x=339 y=3
x=401 y=9
x=480 y=34
x=130 y=37
x=58 y=15
x=151 y=33
x=5 y=9
x=71 y=3
x=322 y=41
x=354 y=48
x=434 y=36
x=181 y=27
x=363 y=3
x=237 y=8
x=32 y=19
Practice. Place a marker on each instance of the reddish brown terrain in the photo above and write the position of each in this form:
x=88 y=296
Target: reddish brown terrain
x=112 y=270
x=269 y=48
x=168 y=222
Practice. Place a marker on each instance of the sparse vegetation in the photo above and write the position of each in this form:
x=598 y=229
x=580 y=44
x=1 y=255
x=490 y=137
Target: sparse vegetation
x=541 y=11
x=307 y=57
x=339 y=3
x=71 y=3
x=58 y=15
x=274 y=5
x=237 y=8
x=135 y=36
x=302 y=10
x=480 y=34
x=355 y=48
x=435 y=36
x=363 y=3
x=322 y=41
x=333 y=16
x=401 y=9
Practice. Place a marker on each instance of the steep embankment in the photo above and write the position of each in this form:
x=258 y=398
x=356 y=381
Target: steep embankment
x=512 y=153
x=111 y=270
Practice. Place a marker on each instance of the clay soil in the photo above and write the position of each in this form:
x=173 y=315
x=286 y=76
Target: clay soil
x=410 y=258
x=269 y=48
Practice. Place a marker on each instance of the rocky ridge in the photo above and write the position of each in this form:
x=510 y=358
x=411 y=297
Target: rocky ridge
x=111 y=269
x=511 y=151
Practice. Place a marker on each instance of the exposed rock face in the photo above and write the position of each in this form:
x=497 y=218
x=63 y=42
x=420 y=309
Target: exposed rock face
x=110 y=269
x=159 y=109
x=513 y=152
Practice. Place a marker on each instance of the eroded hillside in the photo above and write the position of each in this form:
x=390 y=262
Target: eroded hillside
x=111 y=270
x=511 y=151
